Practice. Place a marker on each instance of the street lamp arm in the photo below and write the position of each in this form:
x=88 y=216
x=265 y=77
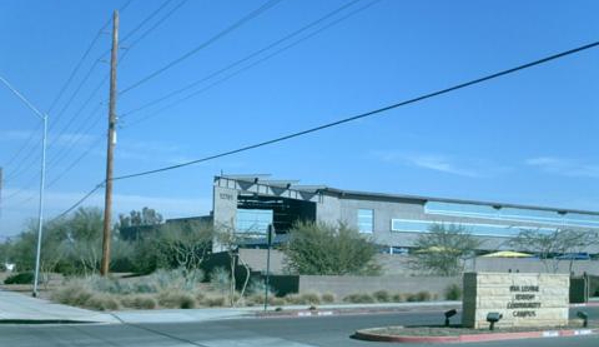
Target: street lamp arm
x=42 y=116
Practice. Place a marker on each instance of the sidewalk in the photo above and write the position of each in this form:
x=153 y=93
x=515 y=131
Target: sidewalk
x=16 y=307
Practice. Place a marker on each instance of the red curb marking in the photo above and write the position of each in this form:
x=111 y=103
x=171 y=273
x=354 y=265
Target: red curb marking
x=473 y=337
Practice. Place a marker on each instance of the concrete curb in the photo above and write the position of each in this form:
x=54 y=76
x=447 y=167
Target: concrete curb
x=347 y=311
x=366 y=335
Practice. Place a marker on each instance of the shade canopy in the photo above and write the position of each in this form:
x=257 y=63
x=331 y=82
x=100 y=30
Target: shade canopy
x=507 y=254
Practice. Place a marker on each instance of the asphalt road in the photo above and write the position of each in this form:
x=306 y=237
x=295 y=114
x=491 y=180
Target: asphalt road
x=292 y=332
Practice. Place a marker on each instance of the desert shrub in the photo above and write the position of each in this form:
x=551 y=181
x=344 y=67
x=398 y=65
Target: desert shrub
x=382 y=296
x=144 y=302
x=310 y=298
x=323 y=249
x=181 y=279
x=20 y=278
x=398 y=297
x=328 y=298
x=74 y=293
x=359 y=298
x=424 y=296
x=176 y=299
x=102 y=302
x=453 y=292
x=275 y=301
x=220 y=279
x=213 y=301
x=293 y=299
x=420 y=296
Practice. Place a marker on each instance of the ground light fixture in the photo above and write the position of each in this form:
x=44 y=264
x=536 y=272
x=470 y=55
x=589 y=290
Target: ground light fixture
x=449 y=314
x=585 y=318
x=492 y=318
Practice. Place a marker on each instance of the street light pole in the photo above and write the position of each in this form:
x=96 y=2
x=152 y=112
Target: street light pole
x=40 y=223
x=40 y=226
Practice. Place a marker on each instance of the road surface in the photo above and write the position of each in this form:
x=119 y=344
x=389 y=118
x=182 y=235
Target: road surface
x=292 y=332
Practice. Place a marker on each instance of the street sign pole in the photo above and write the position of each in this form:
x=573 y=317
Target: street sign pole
x=270 y=231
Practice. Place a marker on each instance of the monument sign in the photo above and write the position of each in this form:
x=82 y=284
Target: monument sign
x=523 y=299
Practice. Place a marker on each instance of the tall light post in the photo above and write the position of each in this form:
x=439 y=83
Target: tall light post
x=44 y=118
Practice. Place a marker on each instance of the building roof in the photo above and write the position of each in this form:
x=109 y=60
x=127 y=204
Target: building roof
x=264 y=179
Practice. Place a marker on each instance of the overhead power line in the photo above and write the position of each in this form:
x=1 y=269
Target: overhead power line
x=369 y=113
x=349 y=119
x=249 y=57
x=70 y=78
x=66 y=150
x=255 y=13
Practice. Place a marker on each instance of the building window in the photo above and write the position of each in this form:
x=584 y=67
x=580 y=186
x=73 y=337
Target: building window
x=479 y=229
x=366 y=221
x=253 y=221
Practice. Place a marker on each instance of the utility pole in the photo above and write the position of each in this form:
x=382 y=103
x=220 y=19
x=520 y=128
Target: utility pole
x=104 y=268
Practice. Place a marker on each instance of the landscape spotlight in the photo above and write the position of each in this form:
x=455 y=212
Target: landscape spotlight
x=493 y=317
x=449 y=314
x=584 y=316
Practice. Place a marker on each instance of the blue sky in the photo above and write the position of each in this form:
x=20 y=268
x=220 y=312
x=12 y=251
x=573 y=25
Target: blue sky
x=527 y=138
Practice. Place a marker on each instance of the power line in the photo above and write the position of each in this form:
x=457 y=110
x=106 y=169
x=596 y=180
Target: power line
x=64 y=87
x=350 y=119
x=153 y=27
x=82 y=59
x=250 y=56
x=79 y=202
x=255 y=13
x=97 y=88
x=369 y=113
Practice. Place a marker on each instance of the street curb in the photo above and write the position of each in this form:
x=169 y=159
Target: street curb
x=348 y=311
x=366 y=335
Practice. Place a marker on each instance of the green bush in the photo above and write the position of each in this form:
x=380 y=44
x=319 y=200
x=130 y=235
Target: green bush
x=359 y=298
x=20 y=278
x=453 y=292
x=382 y=296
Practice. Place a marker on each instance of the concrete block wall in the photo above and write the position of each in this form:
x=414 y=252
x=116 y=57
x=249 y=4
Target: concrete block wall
x=342 y=286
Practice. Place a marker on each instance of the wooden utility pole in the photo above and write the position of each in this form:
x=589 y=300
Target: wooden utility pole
x=104 y=267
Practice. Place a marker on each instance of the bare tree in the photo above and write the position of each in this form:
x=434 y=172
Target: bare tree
x=550 y=246
x=186 y=244
x=443 y=249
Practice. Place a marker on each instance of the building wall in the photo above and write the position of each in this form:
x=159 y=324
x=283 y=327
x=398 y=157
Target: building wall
x=385 y=210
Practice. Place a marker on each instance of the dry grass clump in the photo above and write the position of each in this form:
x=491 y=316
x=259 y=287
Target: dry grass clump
x=139 y=301
x=103 y=302
x=359 y=298
x=176 y=299
x=74 y=293
x=328 y=298
x=382 y=296
x=213 y=301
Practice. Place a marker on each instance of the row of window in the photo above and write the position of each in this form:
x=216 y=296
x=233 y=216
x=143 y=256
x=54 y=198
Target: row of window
x=421 y=226
x=512 y=214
